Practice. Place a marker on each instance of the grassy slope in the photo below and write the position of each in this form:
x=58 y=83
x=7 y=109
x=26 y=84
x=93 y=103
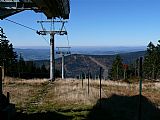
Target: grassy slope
x=67 y=99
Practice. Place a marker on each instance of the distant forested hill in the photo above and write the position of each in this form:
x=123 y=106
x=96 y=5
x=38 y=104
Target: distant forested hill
x=78 y=63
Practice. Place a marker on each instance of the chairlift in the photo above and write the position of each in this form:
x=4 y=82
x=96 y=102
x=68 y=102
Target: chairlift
x=63 y=50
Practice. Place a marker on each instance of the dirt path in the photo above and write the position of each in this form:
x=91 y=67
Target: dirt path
x=40 y=96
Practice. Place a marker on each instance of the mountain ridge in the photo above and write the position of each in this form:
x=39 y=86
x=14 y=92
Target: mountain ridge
x=75 y=64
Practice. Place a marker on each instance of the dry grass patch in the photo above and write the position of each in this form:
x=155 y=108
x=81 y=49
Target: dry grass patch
x=22 y=92
x=9 y=80
x=70 y=93
x=40 y=95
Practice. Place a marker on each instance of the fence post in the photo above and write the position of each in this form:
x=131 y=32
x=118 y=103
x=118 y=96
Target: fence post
x=88 y=82
x=100 y=78
x=140 y=88
x=1 y=92
x=82 y=79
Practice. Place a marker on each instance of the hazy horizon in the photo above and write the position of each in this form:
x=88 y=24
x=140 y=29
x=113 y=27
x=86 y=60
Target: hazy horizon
x=44 y=47
x=41 y=52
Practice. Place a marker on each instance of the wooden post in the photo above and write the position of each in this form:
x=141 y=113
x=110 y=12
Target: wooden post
x=82 y=79
x=140 y=88
x=100 y=78
x=1 y=92
x=88 y=82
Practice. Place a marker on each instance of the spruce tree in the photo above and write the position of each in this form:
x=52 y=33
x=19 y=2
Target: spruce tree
x=152 y=61
x=117 y=68
x=7 y=54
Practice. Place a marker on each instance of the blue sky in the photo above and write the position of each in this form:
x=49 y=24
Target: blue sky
x=94 y=23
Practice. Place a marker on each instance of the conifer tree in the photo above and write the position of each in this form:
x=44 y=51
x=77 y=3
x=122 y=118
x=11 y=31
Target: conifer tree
x=152 y=61
x=117 y=68
x=7 y=54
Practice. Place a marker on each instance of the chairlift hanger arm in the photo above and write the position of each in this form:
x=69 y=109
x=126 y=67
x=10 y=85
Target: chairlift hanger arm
x=62 y=26
x=42 y=27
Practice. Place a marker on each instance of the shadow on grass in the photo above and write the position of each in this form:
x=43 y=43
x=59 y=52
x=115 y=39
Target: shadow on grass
x=113 y=108
x=42 y=116
x=124 y=108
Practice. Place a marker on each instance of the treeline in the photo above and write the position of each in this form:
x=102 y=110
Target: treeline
x=151 y=65
x=28 y=69
x=152 y=61
x=122 y=71
x=15 y=66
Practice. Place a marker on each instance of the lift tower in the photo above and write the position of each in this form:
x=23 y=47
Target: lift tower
x=63 y=51
x=52 y=34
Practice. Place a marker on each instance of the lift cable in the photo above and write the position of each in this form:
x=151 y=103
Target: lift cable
x=45 y=39
x=25 y=27
x=65 y=30
x=20 y=24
